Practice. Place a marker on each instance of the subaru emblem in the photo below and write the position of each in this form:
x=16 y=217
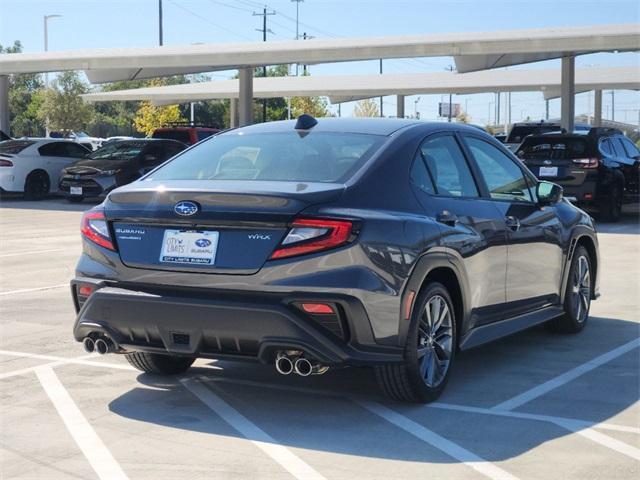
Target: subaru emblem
x=186 y=208
x=547 y=162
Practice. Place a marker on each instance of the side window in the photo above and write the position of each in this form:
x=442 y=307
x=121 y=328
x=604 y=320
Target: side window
x=502 y=175
x=75 y=150
x=617 y=147
x=447 y=167
x=153 y=155
x=420 y=176
x=52 y=149
x=630 y=148
x=605 y=147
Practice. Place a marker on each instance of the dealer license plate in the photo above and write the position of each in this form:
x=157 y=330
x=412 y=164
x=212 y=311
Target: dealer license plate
x=189 y=246
x=548 y=172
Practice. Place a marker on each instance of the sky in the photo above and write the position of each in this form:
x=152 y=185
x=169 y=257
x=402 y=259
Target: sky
x=124 y=23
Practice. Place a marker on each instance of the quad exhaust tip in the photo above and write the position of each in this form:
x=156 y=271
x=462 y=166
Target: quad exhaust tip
x=284 y=365
x=99 y=345
x=293 y=361
x=89 y=345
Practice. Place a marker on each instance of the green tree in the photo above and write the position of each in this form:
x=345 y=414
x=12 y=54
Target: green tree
x=24 y=90
x=149 y=117
x=62 y=107
x=366 y=108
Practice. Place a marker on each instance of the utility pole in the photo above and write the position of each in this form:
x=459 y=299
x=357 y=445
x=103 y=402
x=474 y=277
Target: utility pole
x=613 y=105
x=264 y=31
x=160 y=39
x=546 y=110
x=381 y=114
x=297 y=22
x=305 y=37
x=450 y=68
x=46 y=75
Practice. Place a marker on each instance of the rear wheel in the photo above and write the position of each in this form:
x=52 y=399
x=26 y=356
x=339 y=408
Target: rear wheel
x=159 y=363
x=429 y=351
x=577 y=297
x=37 y=185
x=612 y=206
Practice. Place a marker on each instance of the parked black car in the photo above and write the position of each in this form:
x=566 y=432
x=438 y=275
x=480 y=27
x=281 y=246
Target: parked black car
x=600 y=171
x=116 y=164
x=317 y=244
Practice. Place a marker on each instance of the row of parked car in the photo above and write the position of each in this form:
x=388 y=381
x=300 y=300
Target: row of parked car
x=598 y=168
x=38 y=167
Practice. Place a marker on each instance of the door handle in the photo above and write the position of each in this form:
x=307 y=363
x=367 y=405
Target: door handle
x=512 y=223
x=447 y=218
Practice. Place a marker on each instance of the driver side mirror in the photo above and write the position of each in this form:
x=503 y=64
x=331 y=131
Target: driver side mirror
x=548 y=193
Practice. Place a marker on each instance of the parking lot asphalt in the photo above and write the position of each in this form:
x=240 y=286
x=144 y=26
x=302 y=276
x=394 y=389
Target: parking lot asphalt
x=532 y=406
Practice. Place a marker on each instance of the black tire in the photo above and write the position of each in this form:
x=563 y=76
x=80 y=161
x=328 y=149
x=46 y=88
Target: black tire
x=406 y=382
x=159 y=363
x=576 y=314
x=37 y=185
x=612 y=206
x=75 y=198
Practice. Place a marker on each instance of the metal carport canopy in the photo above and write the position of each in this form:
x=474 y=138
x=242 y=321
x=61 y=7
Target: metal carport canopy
x=472 y=51
x=352 y=87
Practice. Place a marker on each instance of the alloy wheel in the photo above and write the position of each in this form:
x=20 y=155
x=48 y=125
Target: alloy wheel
x=435 y=341
x=581 y=289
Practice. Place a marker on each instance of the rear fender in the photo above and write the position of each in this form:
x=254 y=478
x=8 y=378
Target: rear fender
x=437 y=258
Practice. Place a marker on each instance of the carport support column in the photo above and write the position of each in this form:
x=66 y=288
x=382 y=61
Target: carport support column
x=597 y=117
x=245 y=100
x=400 y=106
x=233 y=112
x=567 y=90
x=4 y=104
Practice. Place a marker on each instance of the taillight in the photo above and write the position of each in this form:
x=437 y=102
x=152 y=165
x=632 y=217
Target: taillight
x=310 y=235
x=6 y=163
x=586 y=162
x=94 y=227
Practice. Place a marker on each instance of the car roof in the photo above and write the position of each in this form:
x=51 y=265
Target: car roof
x=373 y=126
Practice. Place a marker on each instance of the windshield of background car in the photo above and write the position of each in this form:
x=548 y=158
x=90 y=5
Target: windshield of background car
x=179 y=135
x=118 y=151
x=275 y=156
x=545 y=148
x=14 y=146
x=517 y=133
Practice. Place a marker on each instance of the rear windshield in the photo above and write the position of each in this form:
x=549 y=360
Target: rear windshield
x=180 y=135
x=518 y=132
x=118 y=151
x=14 y=146
x=285 y=156
x=552 y=148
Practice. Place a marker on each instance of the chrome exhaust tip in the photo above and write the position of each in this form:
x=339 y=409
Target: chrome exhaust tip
x=284 y=365
x=102 y=347
x=303 y=367
x=89 y=345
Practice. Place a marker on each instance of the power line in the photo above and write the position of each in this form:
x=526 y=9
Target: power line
x=205 y=19
x=264 y=31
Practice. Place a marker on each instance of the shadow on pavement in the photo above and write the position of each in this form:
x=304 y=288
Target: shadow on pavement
x=315 y=413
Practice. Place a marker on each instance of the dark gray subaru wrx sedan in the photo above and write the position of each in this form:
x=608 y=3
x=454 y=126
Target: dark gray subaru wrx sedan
x=327 y=243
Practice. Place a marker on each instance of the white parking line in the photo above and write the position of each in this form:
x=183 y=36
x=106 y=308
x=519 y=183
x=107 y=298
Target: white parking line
x=282 y=455
x=64 y=360
x=95 y=451
x=32 y=252
x=24 y=371
x=443 y=406
x=447 y=446
x=38 y=289
x=566 y=377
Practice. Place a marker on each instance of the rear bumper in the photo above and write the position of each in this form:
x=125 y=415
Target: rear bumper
x=215 y=324
x=584 y=194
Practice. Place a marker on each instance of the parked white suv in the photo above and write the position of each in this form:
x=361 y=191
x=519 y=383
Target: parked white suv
x=32 y=165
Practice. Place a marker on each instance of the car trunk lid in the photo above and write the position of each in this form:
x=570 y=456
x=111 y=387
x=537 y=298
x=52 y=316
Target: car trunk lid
x=557 y=159
x=230 y=232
